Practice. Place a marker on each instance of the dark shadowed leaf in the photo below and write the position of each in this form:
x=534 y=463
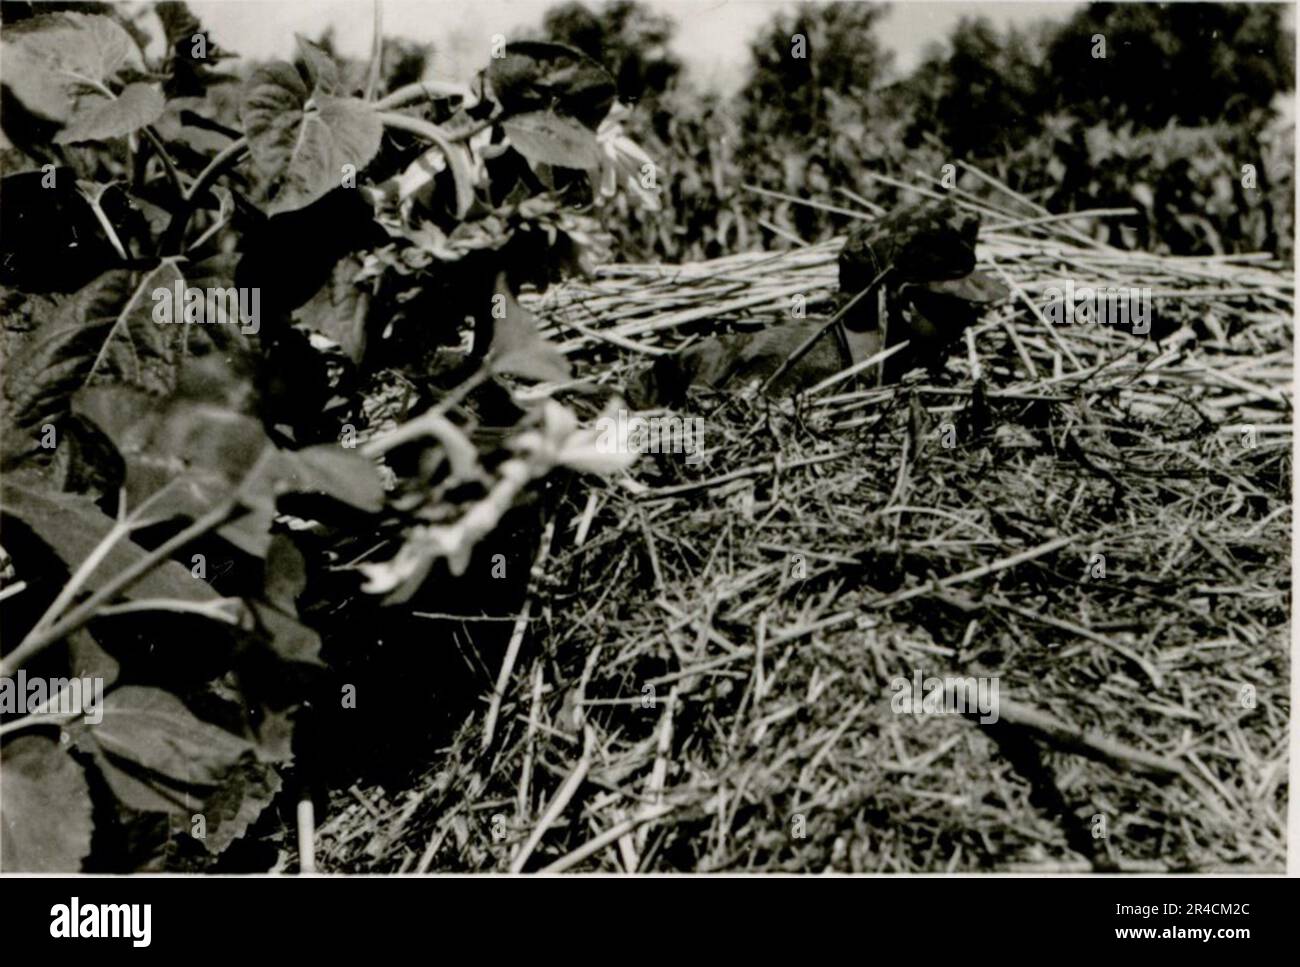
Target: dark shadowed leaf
x=241 y=798
x=137 y=787
x=45 y=822
x=288 y=638
x=336 y=472
x=286 y=574
x=50 y=238
x=86 y=659
x=72 y=526
x=299 y=153
x=184 y=457
x=153 y=728
x=339 y=309
x=317 y=236
x=178 y=21
x=538 y=76
x=552 y=139
x=213 y=447
x=105 y=332
x=322 y=72
x=517 y=347
x=192 y=52
x=286 y=578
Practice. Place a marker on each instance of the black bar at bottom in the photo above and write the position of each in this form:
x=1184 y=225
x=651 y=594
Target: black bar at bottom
x=648 y=917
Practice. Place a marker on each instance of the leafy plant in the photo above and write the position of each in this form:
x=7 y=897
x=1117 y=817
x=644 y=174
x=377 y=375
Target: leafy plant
x=820 y=113
x=213 y=279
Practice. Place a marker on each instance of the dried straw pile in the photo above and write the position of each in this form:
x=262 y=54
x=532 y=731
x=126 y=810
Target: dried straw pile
x=833 y=543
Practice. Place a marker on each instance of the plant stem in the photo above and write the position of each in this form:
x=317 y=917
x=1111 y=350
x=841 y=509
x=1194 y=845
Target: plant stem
x=84 y=570
x=216 y=610
x=421 y=91
x=425 y=129
x=37 y=719
x=808 y=343
x=107 y=226
x=376 y=52
x=44 y=635
x=173 y=173
x=469 y=132
x=207 y=234
x=421 y=425
x=306 y=833
x=225 y=158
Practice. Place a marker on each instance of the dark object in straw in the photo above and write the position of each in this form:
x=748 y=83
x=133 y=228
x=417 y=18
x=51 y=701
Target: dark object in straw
x=736 y=360
x=909 y=275
x=924 y=256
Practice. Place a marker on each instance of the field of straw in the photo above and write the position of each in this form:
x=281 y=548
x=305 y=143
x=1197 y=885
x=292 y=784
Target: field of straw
x=700 y=679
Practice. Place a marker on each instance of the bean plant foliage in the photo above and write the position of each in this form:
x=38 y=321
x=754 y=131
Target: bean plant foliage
x=351 y=236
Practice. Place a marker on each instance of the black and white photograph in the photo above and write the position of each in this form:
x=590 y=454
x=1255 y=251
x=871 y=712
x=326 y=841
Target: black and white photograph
x=636 y=437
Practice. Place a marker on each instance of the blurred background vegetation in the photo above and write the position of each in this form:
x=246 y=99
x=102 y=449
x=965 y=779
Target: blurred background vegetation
x=1186 y=95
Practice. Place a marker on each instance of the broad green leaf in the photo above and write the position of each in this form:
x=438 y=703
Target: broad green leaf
x=105 y=332
x=190 y=65
x=153 y=728
x=339 y=310
x=322 y=72
x=183 y=457
x=137 y=787
x=286 y=574
x=300 y=150
x=60 y=64
x=336 y=472
x=517 y=347
x=73 y=526
x=211 y=446
x=87 y=659
x=539 y=76
x=286 y=636
x=240 y=799
x=136 y=106
x=45 y=822
x=178 y=21
x=546 y=138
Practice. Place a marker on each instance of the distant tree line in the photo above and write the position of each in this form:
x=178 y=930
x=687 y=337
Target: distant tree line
x=1156 y=106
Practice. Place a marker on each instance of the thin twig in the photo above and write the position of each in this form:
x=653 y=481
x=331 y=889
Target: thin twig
x=516 y=637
